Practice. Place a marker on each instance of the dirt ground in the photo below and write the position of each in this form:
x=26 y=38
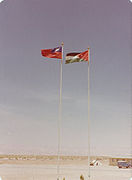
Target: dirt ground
x=46 y=170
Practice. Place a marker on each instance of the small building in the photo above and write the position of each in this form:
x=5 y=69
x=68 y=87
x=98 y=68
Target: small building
x=114 y=160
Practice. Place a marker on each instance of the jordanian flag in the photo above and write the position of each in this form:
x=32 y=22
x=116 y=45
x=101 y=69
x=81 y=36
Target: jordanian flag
x=76 y=57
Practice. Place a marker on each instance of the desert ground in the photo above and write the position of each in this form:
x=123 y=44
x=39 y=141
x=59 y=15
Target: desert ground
x=70 y=169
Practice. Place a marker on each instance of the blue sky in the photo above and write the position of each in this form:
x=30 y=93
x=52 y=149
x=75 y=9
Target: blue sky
x=29 y=91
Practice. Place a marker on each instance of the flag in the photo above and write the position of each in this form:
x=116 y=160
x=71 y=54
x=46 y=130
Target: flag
x=52 y=53
x=76 y=57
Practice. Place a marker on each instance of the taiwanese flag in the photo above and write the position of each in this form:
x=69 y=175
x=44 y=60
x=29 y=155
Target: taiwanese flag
x=52 y=53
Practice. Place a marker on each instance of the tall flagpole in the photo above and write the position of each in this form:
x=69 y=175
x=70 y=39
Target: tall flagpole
x=88 y=113
x=60 y=118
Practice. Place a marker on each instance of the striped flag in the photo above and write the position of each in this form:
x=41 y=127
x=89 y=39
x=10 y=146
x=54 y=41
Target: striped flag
x=76 y=57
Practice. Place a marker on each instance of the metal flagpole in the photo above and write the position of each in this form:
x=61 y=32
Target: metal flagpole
x=60 y=117
x=88 y=113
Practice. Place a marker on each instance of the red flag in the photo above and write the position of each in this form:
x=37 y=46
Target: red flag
x=52 y=53
x=84 y=56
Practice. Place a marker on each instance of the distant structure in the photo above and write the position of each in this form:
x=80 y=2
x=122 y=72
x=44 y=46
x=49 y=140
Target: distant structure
x=95 y=163
x=113 y=161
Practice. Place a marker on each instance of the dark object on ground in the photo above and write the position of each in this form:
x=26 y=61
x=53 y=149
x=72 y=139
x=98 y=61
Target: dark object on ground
x=81 y=177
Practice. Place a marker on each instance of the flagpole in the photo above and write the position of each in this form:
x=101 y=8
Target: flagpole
x=60 y=118
x=88 y=113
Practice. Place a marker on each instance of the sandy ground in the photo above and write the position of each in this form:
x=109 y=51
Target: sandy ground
x=39 y=171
